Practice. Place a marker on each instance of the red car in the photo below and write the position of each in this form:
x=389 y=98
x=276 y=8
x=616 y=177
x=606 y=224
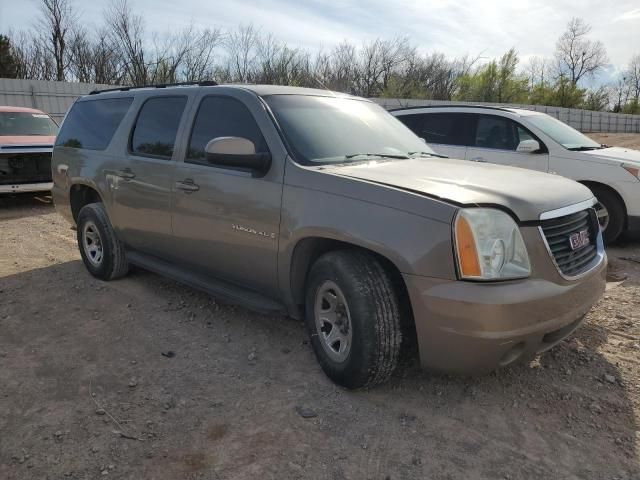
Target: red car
x=27 y=136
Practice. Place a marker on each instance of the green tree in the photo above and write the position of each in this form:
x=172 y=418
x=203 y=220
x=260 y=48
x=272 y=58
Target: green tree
x=496 y=81
x=8 y=61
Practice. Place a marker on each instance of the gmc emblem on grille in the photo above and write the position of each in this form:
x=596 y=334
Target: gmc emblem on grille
x=579 y=239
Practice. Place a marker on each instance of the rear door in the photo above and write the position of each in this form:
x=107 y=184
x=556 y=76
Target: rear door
x=144 y=178
x=226 y=221
x=495 y=140
x=447 y=133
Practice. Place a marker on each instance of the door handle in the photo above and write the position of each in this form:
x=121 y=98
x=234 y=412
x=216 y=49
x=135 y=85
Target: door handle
x=478 y=159
x=126 y=173
x=187 y=186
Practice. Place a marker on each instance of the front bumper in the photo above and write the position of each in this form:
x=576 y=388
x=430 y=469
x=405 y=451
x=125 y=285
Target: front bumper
x=472 y=327
x=26 y=187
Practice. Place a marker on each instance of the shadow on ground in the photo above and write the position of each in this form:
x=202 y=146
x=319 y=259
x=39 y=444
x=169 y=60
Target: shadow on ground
x=25 y=205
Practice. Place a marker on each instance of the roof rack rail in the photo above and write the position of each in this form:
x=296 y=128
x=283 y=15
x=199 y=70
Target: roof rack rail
x=454 y=105
x=203 y=83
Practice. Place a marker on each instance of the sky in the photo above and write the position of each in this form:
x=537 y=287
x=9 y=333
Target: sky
x=453 y=27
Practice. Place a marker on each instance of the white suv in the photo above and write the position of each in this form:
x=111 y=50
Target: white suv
x=534 y=140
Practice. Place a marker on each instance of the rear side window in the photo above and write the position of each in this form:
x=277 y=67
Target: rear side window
x=91 y=124
x=439 y=128
x=222 y=117
x=154 y=133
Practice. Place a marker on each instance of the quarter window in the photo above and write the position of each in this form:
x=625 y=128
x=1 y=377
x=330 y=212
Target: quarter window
x=222 y=117
x=91 y=124
x=156 y=128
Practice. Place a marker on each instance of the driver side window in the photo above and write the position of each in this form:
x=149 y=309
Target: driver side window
x=496 y=132
x=222 y=117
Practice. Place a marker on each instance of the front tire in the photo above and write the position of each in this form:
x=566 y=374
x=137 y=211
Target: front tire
x=102 y=253
x=611 y=214
x=353 y=318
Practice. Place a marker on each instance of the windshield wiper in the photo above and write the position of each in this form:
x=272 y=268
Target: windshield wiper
x=584 y=148
x=379 y=155
x=430 y=154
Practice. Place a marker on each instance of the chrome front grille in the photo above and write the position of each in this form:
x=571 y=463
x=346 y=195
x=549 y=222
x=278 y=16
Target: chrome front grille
x=573 y=241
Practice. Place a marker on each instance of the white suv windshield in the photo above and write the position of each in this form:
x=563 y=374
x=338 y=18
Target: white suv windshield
x=338 y=130
x=562 y=133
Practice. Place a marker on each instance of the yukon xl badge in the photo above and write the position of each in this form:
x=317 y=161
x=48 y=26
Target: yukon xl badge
x=579 y=239
x=253 y=231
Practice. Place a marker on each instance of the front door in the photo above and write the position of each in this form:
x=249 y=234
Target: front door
x=496 y=139
x=225 y=220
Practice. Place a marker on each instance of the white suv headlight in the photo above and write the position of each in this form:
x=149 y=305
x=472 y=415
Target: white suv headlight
x=489 y=245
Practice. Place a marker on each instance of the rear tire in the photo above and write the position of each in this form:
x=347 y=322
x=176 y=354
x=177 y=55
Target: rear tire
x=368 y=322
x=615 y=210
x=102 y=253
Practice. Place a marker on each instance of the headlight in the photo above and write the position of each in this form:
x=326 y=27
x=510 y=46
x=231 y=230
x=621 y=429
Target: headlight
x=489 y=245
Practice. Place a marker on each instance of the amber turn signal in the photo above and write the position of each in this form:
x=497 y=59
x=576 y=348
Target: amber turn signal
x=466 y=248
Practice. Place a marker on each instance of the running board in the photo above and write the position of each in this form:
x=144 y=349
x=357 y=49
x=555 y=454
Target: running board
x=215 y=287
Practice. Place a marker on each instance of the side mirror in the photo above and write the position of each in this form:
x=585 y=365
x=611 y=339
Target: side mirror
x=528 y=146
x=237 y=152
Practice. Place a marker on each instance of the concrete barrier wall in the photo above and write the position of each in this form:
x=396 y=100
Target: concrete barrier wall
x=55 y=98
x=583 y=120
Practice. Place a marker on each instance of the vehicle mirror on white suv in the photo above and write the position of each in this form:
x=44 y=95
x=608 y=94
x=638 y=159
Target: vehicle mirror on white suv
x=236 y=152
x=528 y=146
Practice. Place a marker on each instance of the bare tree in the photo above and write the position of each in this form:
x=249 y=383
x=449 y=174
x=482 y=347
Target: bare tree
x=536 y=69
x=577 y=55
x=126 y=32
x=199 y=57
x=34 y=61
x=633 y=77
x=242 y=53
x=56 y=23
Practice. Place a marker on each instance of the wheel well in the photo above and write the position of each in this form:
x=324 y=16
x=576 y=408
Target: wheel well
x=590 y=185
x=81 y=195
x=308 y=250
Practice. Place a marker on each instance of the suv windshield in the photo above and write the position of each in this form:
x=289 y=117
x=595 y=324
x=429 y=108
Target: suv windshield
x=562 y=133
x=338 y=130
x=26 y=123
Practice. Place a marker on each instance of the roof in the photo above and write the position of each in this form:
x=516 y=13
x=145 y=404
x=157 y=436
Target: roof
x=516 y=110
x=260 y=90
x=19 y=109
x=264 y=90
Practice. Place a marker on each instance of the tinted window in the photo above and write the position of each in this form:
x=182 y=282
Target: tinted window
x=442 y=128
x=222 y=117
x=338 y=129
x=91 y=124
x=157 y=126
x=27 y=123
x=496 y=132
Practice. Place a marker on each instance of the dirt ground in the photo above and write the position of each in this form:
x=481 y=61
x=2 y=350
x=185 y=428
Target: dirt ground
x=143 y=378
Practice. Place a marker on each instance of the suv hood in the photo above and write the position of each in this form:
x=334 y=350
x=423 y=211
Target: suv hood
x=526 y=193
x=617 y=154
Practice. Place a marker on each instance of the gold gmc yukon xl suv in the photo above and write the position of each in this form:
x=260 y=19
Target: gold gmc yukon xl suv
x=326 y=207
